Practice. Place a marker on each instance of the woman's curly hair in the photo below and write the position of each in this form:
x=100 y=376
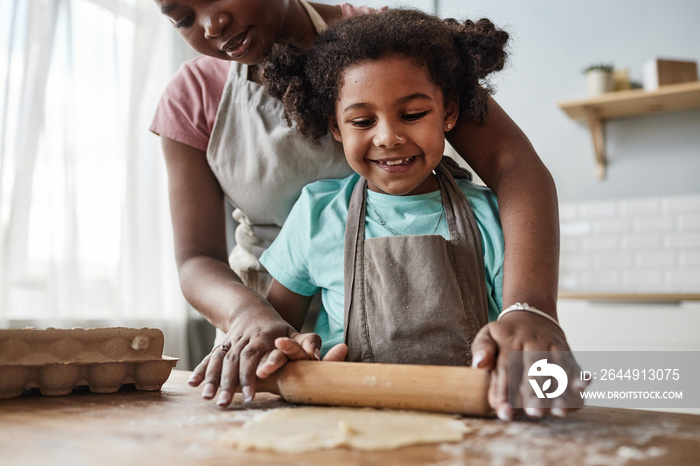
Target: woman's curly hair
x=457 y=55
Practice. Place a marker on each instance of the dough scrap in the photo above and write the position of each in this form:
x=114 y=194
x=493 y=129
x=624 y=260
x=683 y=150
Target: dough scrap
x=298 y=430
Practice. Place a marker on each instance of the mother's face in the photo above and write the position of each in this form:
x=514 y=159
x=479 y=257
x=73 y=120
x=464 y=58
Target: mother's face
x=240 y=30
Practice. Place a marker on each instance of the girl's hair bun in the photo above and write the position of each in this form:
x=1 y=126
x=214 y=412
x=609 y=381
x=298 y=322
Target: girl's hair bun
x=484 y=43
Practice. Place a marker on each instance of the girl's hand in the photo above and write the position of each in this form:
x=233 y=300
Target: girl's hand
x=527 y=332
x=296 y=348
x=293 y=308
x=300 y=346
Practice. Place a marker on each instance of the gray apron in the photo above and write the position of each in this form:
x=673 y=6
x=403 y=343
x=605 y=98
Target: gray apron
x=416 y=299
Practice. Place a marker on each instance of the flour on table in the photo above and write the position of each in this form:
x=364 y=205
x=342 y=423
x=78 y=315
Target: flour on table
x=298 y=430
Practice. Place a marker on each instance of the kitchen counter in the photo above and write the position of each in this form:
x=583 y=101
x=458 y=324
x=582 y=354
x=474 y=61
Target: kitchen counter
x=176 y=427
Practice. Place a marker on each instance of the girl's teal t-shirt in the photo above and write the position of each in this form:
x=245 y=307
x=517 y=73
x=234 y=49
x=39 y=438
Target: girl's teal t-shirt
x=307 y=255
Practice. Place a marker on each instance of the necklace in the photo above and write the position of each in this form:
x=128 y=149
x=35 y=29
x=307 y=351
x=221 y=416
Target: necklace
x=386 y=225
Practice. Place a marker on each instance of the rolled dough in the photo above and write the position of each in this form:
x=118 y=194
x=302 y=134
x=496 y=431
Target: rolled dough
x=298 y=430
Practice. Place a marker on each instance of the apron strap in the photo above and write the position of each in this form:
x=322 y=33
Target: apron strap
x=316 y=19
x=455 y=169
x=353 y=271
x=466 y=247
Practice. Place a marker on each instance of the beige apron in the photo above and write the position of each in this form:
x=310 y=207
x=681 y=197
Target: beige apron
x=415 y=299
x=262 y=165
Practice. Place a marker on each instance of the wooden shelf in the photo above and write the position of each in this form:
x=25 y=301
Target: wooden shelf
x=630 y=297
x=637 y=102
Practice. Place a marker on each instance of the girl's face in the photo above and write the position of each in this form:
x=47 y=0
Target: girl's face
x=240 y=30
x=392 y=120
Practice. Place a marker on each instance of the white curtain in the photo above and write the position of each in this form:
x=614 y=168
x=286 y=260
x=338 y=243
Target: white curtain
x=85 y=236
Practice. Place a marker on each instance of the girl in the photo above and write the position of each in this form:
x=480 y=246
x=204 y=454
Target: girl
x=422 y=252
x=223 y=137
x=390 y=86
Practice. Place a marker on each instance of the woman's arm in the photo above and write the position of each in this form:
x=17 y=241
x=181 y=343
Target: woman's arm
x=250 y=322
x=503 y=157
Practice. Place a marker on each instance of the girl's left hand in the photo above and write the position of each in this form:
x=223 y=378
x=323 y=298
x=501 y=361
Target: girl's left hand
x=526 y=332
x=287 y=349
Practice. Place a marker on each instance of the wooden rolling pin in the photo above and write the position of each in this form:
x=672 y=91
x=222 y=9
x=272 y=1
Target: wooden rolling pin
x=447 y=389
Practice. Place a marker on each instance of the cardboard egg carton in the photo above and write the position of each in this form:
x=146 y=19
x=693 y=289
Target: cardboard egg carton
x=57 y=360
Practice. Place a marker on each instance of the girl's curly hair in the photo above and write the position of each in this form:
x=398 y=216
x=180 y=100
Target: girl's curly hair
x=457 y=55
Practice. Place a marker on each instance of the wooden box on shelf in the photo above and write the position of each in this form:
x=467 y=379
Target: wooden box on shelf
x=659 y=72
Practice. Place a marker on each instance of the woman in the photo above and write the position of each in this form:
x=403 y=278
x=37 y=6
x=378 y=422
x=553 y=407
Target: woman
x=234 y=143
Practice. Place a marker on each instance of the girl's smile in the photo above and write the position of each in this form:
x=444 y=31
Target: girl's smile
x=401 y=165
x=392 y=120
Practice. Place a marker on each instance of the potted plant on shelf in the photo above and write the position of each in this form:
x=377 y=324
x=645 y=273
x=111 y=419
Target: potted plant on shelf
x=599 y=79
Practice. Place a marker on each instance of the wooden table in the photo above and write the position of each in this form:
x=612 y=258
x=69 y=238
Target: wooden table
x=176 y=427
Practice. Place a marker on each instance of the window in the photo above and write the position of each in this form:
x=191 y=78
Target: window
x=84 y=223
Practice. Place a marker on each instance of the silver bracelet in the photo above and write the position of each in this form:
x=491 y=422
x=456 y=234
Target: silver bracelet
x=528 y=308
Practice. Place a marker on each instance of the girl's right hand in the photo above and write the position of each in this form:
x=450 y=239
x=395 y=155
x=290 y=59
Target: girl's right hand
x=301 y=347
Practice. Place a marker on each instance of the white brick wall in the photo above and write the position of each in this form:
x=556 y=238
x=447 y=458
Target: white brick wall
x=649 y=245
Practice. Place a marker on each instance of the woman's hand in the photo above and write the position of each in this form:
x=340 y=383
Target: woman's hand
x=250 y=339
x=237 y=361
x=528 y=333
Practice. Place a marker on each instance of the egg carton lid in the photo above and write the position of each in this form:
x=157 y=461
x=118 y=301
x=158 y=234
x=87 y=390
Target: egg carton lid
x=34 y=347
